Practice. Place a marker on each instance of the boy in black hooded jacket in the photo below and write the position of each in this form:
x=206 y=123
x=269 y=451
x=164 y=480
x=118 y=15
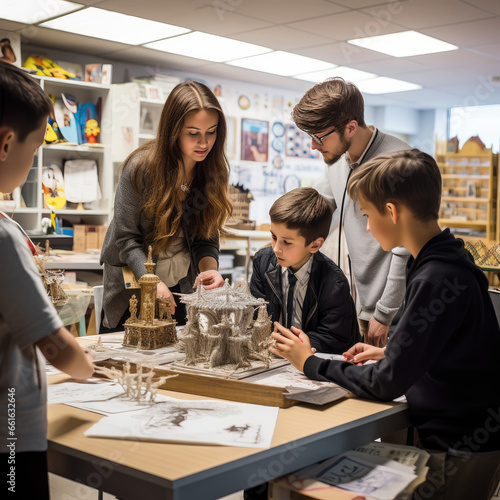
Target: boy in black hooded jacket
x=443 y=353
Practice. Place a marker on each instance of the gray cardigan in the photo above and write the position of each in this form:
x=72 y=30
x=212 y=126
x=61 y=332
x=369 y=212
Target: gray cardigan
x=379 y=275
x=125 y=245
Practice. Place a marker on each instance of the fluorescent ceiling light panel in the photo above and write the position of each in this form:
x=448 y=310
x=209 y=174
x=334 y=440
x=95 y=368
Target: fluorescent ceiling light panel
x=113 y=26
x=35 y=11
x=385 y=85
x=404 y=44
x=208 y=47
x=348 y=74
x=282 y=63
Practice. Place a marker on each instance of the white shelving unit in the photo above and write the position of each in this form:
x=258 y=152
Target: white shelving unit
x=30 y=216
x=134 y=119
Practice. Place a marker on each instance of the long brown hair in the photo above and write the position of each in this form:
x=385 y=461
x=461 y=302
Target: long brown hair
x=206 y=207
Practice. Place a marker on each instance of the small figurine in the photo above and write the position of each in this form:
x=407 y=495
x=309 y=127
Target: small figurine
x=92 y=130
x=133 y=308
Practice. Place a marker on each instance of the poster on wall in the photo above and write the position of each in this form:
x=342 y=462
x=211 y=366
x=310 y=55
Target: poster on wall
x=10 y=47
x=254 y=140
x=298 y=144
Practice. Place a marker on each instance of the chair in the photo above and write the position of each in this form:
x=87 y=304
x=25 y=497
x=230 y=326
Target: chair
x=98 y=292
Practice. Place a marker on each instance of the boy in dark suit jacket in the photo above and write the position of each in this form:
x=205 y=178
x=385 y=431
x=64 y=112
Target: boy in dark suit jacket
x=303 y=287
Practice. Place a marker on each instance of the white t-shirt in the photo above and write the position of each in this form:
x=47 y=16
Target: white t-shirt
x=26 y=316
x=173 y=265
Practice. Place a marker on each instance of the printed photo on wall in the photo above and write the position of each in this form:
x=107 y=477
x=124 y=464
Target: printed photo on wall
x=254 y=140
x=298 y=144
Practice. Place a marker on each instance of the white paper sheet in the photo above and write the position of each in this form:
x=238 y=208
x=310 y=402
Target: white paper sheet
x=360 y=473
x=204 y=422
x=79 y=392
x=81 y=181
x=288 y=376
x=119 y=404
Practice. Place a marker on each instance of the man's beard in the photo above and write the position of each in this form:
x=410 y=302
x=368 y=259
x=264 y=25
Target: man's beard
x=345 y=144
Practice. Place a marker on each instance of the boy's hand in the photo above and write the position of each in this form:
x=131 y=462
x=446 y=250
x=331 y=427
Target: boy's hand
x=360 y=352
x=210 y=279
x=377 y=333
x=291 y=344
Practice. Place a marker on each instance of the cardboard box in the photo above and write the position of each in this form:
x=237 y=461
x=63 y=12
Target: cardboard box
x=101 y=234
x=79 y=238
x=88 y=237
x=91 y=241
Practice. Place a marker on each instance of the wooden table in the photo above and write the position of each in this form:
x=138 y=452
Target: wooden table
x=131 y=469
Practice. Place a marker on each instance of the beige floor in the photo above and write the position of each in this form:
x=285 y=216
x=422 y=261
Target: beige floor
x=64 y=489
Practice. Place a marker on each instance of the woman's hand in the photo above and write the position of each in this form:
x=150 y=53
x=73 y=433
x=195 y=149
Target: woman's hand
x=360 y=353
x=209 y=279
x=291 y=344
x=163 y=293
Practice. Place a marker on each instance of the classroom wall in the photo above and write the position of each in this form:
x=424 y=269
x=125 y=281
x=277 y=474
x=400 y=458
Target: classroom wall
x=289 y=162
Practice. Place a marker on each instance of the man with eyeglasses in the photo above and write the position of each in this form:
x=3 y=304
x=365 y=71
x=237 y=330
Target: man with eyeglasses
x=332 y=114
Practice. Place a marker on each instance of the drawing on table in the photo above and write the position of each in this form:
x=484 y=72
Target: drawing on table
x=200 y=421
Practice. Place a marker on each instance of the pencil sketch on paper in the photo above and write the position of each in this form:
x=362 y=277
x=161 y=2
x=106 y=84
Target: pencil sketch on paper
x=208 y=422
x=288 y=376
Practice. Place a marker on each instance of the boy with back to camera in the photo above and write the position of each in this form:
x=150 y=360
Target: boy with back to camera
x=443 y=353
x=28 y=321
x=303 y=287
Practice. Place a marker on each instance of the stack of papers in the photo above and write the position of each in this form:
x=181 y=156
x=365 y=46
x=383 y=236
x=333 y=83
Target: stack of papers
x=168 y=419
x=378 y=471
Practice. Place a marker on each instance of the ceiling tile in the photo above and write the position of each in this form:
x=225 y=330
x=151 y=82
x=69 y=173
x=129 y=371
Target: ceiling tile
x=46 y=37
x=279 y=11
x=390 y=65
x=193 y=14
x=342 y=54
x=461 y=57
x=468 y=95
x=492 y=50
x=468 y=34
x=154 y=57
x=149 y=9
x=492 y=6
x=10 y=25
x=346 y=26
x=360 y=4
x=418 y=14
x=421 y=99
x=439 y=77
x=282 y=38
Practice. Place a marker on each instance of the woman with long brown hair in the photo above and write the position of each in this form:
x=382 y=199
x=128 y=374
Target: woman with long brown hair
x=172 y=195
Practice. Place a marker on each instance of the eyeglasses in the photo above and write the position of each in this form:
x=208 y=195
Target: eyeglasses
x=319 y=140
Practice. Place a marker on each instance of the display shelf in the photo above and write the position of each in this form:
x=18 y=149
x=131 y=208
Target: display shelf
x=30 y=213
x=134 y=119
x=469 y=189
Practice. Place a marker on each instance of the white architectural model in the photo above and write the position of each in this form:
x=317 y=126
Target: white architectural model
x=137 y=386
x=221 y=329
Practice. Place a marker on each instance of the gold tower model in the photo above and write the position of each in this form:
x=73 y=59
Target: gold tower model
x=147 y=331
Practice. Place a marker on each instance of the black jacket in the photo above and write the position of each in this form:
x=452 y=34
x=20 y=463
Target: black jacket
x=443 y=354
x=328 y=314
